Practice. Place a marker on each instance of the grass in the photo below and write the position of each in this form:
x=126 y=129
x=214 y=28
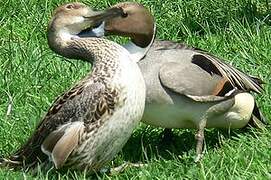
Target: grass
x=32 y=76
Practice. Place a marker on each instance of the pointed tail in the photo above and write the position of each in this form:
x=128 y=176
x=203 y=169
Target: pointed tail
x=28 y=156
x=257 y=119
x=4 y=162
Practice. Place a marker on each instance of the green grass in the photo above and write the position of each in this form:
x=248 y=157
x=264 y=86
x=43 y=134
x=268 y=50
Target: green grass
x=32 y=76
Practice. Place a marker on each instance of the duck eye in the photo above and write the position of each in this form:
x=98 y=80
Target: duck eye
x=69 y=6
x=124 y=15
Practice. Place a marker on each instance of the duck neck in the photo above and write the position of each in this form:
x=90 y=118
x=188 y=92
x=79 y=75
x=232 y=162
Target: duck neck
x=101 y=53
x=140 y=45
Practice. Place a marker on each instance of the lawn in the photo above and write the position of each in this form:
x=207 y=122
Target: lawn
x=32 y=76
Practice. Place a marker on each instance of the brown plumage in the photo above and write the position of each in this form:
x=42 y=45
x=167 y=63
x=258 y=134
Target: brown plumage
x=87 y=125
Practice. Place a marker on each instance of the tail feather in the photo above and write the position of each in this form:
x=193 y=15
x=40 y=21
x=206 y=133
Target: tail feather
x=258 y=80
x=4 y=162
x=27 y=157
x=15 y=163
x=257 y=119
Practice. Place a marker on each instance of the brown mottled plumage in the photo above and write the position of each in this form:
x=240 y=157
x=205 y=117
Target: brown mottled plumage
x=89 y=124
x=186 y=87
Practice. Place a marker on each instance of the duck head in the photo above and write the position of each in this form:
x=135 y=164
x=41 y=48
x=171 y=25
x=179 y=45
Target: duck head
x=136 y=22
x=71 y=20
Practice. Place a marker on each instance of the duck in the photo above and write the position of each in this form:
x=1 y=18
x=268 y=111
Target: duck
x=186 y=87
x=90 y=123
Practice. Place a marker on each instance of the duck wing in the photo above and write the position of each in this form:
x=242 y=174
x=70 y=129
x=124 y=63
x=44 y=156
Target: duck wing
x=190 y=80
x=57 y=134
x=206 y=78
x=211 y=65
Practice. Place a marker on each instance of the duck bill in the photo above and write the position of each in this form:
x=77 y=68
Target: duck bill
x=101 y=16
x=97 y=21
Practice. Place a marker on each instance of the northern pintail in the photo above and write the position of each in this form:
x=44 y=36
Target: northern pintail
x=186 y=87
x=90 y=123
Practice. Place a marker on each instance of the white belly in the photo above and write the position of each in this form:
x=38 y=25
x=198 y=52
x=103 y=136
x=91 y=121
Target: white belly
x=188 y=114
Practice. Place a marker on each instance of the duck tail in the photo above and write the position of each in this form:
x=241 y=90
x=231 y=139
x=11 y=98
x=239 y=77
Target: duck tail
x=9 y=163
x=27 y=157
x=257 y=119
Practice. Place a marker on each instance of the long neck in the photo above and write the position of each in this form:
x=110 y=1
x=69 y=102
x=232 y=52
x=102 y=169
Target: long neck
x=102 y=53
x=137 y=49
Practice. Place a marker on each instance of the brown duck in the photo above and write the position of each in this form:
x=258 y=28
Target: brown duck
x=89 y=124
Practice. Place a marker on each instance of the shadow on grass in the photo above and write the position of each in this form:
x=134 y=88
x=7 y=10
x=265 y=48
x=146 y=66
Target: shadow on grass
x=149 y=143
